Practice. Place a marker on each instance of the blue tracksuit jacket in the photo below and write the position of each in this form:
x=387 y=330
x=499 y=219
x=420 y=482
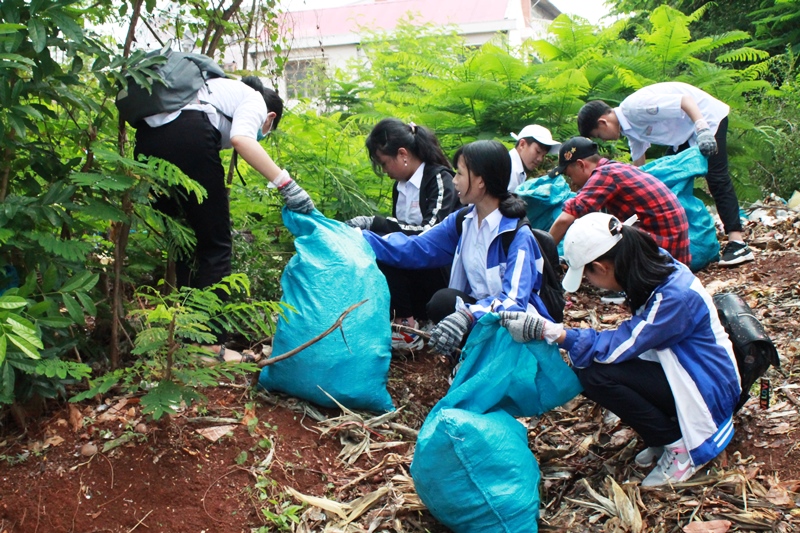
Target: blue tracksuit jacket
x=515 y=280
x=679 y=327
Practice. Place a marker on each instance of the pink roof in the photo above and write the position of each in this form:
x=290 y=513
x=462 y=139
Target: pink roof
x=384 y=15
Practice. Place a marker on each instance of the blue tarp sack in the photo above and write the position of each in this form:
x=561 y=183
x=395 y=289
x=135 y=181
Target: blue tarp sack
x=678 y=173
x=472 y=466
x=523 y=379
x=545 y=196
x=475 y=472
x=333 y=268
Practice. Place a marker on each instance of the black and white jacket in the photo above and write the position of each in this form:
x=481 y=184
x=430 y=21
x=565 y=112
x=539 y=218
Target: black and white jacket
x=437 y=199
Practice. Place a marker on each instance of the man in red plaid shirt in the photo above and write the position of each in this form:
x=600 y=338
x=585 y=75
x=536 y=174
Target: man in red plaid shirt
x=623 y=191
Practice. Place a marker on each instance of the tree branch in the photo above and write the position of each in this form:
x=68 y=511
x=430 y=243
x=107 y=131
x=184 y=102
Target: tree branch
x=318 y=338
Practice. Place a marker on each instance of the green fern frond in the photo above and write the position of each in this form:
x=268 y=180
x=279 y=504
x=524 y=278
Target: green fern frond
x=71 y=250
x=742 y=55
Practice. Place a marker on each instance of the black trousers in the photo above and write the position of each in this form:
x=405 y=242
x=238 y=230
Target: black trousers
x=719 y=180
x=638 y=392
x=192 y=144
x=443 y=303
x=411 y=290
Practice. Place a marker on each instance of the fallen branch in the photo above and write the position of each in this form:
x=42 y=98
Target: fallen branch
x=424 y=334
x=336 y=325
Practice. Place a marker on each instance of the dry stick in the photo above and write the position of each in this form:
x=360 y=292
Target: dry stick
x=115 y=497
x=424 y=334
x=112 y=470
x=38 y=514
x=231 y=471
x=140 y=521
x=319 y=337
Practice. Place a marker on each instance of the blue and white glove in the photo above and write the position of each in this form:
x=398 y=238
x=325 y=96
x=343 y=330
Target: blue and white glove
x=360 y=222
x=525 y=327
x=705 y=139
x=446 y=336
x=294 y=196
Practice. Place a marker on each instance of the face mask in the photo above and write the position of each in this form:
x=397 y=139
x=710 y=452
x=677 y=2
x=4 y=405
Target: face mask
x=260 y=136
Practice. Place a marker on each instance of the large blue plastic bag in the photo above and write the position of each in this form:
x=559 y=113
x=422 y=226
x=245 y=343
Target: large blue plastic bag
x=333 y=268
x=678 y=173
x=523 y=379
x=475 y=472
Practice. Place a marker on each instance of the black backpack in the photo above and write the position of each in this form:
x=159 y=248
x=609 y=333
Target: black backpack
x=551 y=292
x=183 y=74
x=752 y=347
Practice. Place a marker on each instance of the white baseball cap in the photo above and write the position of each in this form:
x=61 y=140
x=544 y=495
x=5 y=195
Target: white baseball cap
x=588 y=238
x=541 y=134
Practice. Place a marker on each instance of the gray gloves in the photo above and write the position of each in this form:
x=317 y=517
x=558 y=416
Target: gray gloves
x=446 y=336
x=295 y=198
x=525 y=327
x=360 y=222
x=705 y=139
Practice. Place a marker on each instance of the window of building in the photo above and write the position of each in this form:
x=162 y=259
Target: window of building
x=304 y=77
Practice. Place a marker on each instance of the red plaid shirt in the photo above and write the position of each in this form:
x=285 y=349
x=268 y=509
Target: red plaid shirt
x=624 y=190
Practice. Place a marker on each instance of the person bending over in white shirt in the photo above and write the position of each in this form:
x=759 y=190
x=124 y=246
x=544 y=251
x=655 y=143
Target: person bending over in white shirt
x=677 y=115
x=227 y=113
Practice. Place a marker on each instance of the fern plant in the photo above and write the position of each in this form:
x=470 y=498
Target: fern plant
x=36 y=336
x=171 y=364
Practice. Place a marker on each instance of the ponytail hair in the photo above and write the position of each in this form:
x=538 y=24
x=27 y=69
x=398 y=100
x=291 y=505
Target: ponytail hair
x=271 y=98
x=639 y=265
x=391 y=134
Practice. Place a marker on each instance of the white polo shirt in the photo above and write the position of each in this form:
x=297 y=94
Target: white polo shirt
x=475 y=249
x=518 y=175
x=234 y=98
x=407 y=208
x=653 y=115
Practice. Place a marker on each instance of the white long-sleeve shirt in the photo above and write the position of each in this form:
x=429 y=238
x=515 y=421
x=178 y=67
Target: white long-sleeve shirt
x=653 y=115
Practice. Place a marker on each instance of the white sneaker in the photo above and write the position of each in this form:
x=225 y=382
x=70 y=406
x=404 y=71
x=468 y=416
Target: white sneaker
x=453 y=373
x=674 y=466
x=403 y=341
x=649 y=455
x=610 y=419
x=613 y=298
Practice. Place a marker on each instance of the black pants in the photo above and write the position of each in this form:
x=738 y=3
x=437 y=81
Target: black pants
x=443 y=303
x=411 y=290
x=192 y=144
x=639 y=394
x=719 y=180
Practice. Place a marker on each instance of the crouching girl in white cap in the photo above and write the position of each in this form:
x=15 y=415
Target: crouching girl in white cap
x=669 y=371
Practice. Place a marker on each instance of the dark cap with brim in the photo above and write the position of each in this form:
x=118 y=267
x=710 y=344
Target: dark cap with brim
x=572 y=150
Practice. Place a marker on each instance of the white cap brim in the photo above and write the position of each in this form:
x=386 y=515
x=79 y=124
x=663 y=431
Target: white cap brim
x=554 y=149
x=572 y=279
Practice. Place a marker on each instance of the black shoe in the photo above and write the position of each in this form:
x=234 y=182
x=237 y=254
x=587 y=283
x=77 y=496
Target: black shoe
x=736 y=253
x=613 y=298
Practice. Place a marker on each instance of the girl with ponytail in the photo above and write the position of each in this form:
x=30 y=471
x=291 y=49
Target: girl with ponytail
x=485 y=276
x=669 y=371
x=422 y=196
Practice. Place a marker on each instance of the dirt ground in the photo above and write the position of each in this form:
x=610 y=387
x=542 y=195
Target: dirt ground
x=247 y=460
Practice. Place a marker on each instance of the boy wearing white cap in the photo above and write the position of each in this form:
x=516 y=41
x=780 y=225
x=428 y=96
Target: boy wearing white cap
x=533 y=143
x=669 y=371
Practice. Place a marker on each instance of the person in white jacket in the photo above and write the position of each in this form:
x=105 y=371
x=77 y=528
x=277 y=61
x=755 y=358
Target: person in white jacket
x=669 y=371
x=677 y=115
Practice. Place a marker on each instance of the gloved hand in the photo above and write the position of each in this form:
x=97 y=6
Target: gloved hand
x=705 y=139
x=525 y=327
x=447 y=335
x=360 y=222
x=295 y=198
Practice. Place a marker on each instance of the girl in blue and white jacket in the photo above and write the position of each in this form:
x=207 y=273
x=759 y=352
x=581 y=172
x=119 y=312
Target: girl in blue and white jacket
x=669 y=371
x=483 y=278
